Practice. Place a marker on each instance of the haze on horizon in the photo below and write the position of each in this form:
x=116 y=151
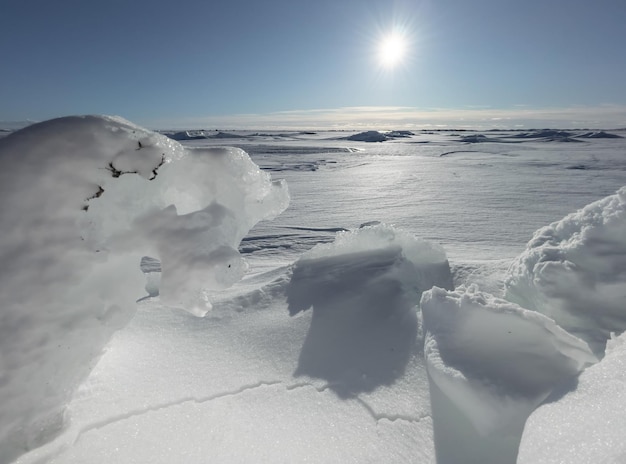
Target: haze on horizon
x=284 y=64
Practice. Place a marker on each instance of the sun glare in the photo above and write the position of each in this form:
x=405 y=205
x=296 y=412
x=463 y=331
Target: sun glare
x=391 y=51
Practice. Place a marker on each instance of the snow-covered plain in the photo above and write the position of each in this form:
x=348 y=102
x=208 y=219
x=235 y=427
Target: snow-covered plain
x=318 y=355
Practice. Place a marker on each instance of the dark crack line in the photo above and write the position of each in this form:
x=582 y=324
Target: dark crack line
x=378 y=417
x=159 y=407
x=296 y=386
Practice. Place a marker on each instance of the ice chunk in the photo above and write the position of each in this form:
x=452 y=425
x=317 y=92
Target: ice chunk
x=574 y=271
x=490 y=363
x=363 y=288
x=83 y=199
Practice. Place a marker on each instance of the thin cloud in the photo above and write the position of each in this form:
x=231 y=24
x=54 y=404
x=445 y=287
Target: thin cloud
x=398 y=117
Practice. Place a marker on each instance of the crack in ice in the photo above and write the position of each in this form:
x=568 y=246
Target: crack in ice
x=378 y=417
x=159 y=407
x=320 y=389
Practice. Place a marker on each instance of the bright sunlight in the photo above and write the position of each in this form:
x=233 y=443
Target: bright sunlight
x=391 y=50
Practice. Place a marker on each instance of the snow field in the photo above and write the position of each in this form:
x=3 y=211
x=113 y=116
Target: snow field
x=314 y=356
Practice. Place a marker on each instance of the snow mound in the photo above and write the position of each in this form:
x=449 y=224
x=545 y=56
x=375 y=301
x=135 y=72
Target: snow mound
x=400 y=134
x=574 y=271
x=364 y=289
x=490 y=363
x=367 y=136
x=545 y=134
x=590 y=419
x=599 y=135
x=83 y=200
x=476 y=138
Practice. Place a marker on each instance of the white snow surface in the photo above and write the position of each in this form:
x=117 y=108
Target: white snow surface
x=590 y=418
x=83 y=199
x=317 y=354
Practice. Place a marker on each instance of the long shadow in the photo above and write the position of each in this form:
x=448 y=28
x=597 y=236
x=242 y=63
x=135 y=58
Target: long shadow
x=364 y=324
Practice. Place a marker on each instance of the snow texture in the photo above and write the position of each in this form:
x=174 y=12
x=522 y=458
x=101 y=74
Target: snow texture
x=574 y=271
x=83 y=199
x=590 y=419
x=490 y=363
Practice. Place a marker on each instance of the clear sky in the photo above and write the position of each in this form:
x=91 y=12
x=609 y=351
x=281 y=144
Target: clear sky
x=200 y=63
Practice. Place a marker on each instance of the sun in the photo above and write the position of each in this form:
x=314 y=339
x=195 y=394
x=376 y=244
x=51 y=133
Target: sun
x=392 y=50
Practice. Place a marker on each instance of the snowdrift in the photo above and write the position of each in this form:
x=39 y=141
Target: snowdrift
x=83 y=199
x=363 y=289
x=574 y=271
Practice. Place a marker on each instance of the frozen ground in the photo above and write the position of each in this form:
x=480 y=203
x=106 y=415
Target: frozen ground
x=322 y=361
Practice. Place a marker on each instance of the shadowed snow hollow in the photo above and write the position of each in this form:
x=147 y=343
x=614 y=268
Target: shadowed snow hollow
x=490 y=363
x=82 y=200
x=364 y=289
x=574 y=271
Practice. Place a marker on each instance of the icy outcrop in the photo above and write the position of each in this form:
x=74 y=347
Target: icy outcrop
x=574 y=271
x=82 y=200
x=363 y=289
x=490 y=364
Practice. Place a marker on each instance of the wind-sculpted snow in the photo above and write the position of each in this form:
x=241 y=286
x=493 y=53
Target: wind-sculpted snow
x=363 y=288
x=490 y=363
x=574 y=271
x=82 y=200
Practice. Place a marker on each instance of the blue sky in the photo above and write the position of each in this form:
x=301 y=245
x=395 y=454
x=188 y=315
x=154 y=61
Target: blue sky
x=296 y=63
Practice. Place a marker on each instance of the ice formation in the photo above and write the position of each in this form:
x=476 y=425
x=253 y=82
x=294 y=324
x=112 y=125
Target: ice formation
x=363 y=288
x=490 y=364
x=574 y=271
x=83 y=199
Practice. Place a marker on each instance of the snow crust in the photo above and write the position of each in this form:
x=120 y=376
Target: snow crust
x=83 y=199
x=491 y=362
x=574 y=271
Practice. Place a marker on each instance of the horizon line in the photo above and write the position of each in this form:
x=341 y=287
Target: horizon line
x=606 y=116
x=351 y=118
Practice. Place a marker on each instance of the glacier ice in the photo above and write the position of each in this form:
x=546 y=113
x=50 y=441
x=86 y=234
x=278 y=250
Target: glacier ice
x=83 y=199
